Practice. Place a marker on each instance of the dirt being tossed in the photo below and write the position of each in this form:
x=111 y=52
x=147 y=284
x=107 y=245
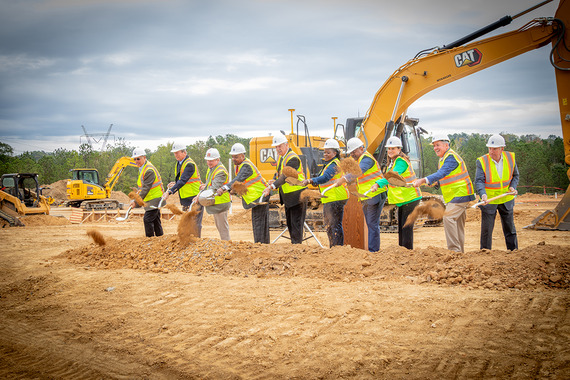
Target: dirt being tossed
x=431 y=208
x=97 y=237
x=350 y=166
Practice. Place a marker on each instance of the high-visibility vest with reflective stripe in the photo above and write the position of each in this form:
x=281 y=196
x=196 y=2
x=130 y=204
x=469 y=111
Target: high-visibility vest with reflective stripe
x=338 y=193
x=457 y=183
x=367 y=179
x=495 y=184
x=156 y=188
x=255 y=183
x=192 y=186
x=397 y=194
x=210 y=175
x=283 y=160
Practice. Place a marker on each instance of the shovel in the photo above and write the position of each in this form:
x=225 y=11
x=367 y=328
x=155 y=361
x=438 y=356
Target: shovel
x=293 y=181
x=121 y=219
x=492 y=199
x=259 y=202
x=396 y=179
x=159 y=204
x=360 y=195
x=327 y=189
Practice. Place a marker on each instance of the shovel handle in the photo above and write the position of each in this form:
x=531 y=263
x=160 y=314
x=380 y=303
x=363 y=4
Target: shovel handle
x=492 y=199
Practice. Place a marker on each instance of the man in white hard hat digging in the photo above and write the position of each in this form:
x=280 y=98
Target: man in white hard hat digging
x=249 y=176
x=496 y=175
x=218 y=207
x=289 y=195
x=456 y=188
x=186 y=182
x=150 y=190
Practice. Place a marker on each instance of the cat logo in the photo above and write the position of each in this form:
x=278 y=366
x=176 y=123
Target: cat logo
x=468 y=58
x=268 y=155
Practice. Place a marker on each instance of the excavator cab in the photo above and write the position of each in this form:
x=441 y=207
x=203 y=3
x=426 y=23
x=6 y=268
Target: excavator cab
x=90 y=176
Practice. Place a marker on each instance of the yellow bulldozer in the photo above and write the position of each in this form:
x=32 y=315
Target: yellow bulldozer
x=20 y=195
x=84 y=190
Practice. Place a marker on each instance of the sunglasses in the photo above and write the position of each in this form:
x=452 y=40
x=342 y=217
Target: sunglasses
x=138 y=159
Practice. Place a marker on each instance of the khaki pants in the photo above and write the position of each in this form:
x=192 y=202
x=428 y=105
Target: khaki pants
x=454 y=225
x=221 y=220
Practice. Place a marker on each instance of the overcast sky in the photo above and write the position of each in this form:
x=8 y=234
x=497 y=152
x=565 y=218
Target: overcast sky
x=170 y=70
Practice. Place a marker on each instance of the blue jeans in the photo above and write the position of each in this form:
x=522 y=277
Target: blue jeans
x=372 y=210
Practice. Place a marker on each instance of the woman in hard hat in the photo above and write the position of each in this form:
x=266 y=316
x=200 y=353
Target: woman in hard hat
x=336 y=196
x=405 y=198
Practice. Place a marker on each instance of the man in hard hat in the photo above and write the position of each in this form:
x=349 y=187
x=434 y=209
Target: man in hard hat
x=186 y=182
x=456 y=187
x=289 y=195
x=216 y=177
x=373 y=202
x=150 y=190
x=496 y=175
x=249 y=175
x=336 y=196
x=404 y=197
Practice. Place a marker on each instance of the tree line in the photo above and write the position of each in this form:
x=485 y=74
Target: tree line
x=540 y=161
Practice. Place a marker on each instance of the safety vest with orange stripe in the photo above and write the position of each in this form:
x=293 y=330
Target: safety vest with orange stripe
x=495 y=184
x=367 y=179
x=255 y=183
x=338 y=193
x=156 y=190
x=457 y=183
x=210 y=175
x=192 y=186
x=398 y=195
x=282 y=162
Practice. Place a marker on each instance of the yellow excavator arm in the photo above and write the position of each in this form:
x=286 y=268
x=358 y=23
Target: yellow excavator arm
x=116 y=172
x=439 y=67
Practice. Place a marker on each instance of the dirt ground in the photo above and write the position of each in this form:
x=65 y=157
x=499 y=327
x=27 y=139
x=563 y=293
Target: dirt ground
x=152 y=308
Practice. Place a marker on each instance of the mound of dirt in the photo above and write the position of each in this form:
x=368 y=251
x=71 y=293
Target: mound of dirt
x=538 y=266
x=44 y=220
x=56 y=190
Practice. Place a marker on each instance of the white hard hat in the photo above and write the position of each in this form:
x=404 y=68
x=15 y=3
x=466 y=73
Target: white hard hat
x=137 y=152
x=440 y=137
x=496 y=141
x=177 y=146
x=331 y=144
x=279 y=139
x=352 y=144
x=237 y=148
x=394 y=142
x=212 y=154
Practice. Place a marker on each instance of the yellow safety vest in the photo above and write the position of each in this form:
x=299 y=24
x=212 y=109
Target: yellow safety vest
x=457 y=183
x=338 y=193
x=255 y=183
x=225 y=197
x=283 y=160
x=192 y=186
x=156 y=188
x=367 y=179
x=495 y=184
x=399 y=195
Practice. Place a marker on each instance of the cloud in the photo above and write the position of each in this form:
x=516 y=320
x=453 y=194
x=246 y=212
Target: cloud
x=159 y=70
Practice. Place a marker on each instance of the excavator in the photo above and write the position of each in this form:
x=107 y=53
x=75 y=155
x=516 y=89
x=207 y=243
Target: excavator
x=84 y=191
x=438 y=67
x=431 y=69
